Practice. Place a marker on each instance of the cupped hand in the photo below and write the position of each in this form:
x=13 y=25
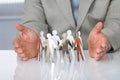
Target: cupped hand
x=27 y=44
x=98 y=44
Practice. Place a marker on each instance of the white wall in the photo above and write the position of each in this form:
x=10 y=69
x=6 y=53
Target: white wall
x=10 y=14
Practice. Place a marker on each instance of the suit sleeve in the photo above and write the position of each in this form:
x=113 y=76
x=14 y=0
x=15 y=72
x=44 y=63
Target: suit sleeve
x=112 y=24
x=34 y=16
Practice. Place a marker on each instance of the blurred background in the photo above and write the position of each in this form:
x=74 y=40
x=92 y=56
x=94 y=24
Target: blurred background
x=10 y=14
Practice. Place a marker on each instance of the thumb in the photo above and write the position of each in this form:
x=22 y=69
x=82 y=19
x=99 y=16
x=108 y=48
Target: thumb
x=98 y=27
x=20 y=27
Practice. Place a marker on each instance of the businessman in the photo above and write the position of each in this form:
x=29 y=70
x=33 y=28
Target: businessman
x=98 y=21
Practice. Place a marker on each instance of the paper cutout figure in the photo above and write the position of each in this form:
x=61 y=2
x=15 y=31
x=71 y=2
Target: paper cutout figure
x=78 y=45
x=42 y=50
x=64 y=44
x=50 y=48
x=39 y=48
x=79 y=35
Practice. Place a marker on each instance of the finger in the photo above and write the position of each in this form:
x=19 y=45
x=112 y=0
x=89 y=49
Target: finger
x=99 y=50
x=98 y=27
x=104 y=46
x=15 y=43
x=20 y=27
x=99 y=53
x=18 y=50
x=22 y=55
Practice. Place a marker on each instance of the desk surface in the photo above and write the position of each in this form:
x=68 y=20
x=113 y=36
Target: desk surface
x=12 y=68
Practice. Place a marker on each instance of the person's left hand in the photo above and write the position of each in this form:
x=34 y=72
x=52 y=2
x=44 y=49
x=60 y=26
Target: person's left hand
x=98 y=44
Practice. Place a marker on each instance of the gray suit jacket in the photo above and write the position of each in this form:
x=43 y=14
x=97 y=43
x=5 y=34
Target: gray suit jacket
x=47 y=15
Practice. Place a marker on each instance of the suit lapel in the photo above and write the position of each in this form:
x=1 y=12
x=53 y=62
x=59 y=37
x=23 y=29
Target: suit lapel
x=83 y=9
x=66 y=10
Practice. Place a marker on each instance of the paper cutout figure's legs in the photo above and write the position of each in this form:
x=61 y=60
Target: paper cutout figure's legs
x=43 y=55
x=52 y=58
x=47 y=56
x=68 y=56
x=38 y=57
x=82 y=52
x=72 y=55
x=81 y=55
x=58 y=55
x=52 y=55
x=78 y=56
x=61 y=57
x=63 y=54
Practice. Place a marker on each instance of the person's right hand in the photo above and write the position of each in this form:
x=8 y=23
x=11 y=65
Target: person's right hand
x=27 y=44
